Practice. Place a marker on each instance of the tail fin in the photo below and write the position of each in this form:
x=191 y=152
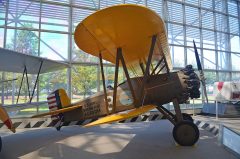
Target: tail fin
x=58 y=100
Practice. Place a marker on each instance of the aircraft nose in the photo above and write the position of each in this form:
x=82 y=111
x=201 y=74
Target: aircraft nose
x=193 y=81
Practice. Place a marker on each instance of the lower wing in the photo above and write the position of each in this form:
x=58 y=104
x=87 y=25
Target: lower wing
x=121 y=116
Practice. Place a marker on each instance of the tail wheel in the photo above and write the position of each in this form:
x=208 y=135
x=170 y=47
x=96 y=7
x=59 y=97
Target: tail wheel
x=186 y=133
x=185 y=117
x=58 y=128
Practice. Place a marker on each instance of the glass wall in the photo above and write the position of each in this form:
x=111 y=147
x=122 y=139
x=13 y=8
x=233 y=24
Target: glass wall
x=45 y=28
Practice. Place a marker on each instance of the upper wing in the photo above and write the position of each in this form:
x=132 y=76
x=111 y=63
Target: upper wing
x=130 y=27
x=32 y=63
x=57 y=111
x=122 y=116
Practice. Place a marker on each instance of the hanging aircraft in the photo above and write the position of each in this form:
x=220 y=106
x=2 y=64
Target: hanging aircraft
x=132 y=37
x=12 y=61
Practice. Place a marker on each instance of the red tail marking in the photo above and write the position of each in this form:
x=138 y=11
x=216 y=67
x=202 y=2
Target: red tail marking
x=52 y=102
x=49 y=98
x=220 y=85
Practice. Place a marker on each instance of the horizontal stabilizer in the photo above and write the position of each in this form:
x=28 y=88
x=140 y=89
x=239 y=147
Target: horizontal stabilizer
x=121 y=116
x=67 y=109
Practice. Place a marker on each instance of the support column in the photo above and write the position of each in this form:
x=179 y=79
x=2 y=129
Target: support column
x=69 y=70
x=3 y=78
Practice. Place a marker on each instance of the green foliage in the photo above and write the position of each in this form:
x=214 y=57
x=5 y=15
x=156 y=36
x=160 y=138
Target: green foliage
x=84 y=80
x=52 y=81
x=210 y=77
x=25 y=42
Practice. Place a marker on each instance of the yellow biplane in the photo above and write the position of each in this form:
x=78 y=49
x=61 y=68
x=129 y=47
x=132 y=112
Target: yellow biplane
x=134 y=38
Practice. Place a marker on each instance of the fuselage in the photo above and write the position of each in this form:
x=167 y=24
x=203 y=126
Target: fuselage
x=159 y=89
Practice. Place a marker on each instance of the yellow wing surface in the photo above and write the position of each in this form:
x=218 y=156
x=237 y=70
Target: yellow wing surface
x=67 y=109
x=122 y=116
x=130 y=27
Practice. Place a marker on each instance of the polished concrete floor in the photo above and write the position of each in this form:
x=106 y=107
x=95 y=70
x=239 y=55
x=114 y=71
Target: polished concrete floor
x=144 y=140
x=232 y=123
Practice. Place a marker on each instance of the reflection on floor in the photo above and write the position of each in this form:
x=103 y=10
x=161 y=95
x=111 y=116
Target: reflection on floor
x=121 y=141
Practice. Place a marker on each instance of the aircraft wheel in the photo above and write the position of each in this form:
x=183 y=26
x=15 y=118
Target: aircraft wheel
x=186 y=133
x=185 y=117
x=58 y=128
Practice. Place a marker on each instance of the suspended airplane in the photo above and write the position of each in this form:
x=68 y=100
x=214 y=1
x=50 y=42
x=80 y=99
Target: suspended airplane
x=134 y=38
x=12 y=61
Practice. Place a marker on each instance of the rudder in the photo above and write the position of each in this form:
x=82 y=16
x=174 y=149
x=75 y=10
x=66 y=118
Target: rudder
x=58 y=100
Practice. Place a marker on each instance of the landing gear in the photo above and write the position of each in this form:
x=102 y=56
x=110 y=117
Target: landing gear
x=185 y=133
x=59 y=123
x=185 y=117
x=58 y=128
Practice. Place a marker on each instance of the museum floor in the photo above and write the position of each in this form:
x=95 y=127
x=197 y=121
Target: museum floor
x=141 y=140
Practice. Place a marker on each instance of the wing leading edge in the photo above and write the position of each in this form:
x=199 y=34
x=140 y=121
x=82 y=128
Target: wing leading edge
x=32 y=63
x=121 y=116
x=106 y=30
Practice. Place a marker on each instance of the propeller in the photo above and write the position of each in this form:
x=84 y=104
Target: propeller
x=199 y=66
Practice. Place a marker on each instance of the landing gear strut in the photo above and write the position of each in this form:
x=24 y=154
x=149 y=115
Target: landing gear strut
x=185 y=132
x=185 y=117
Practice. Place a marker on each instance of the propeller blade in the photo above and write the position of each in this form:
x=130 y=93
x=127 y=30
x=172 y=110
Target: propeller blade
x=197 y=57
x=199 y=65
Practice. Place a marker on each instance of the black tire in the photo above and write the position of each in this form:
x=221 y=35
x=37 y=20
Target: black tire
x=58 y=128
x=185 y=117
x=186 y=133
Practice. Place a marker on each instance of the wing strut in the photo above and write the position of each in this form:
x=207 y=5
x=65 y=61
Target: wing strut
x=163 y=59
x=142 y=67
x=26 y=73
x=147 y=70
x=21 y=83
x=36 y=81
x=103 y=81
x=158 y=64
x=121 y=59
